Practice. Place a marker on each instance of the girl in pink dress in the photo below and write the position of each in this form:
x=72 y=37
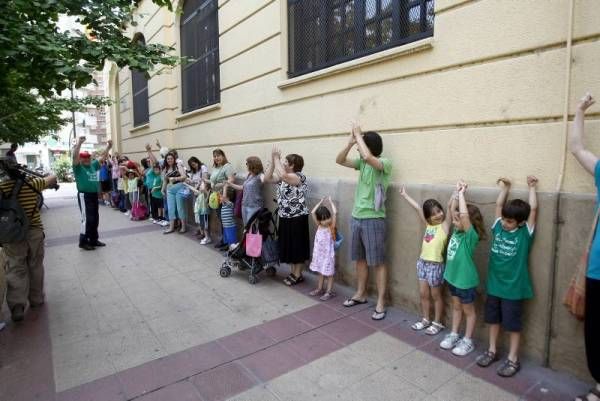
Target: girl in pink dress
x=323 y=259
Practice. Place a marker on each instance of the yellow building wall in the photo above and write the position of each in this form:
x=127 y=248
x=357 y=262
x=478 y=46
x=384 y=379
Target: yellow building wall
x=485 y=98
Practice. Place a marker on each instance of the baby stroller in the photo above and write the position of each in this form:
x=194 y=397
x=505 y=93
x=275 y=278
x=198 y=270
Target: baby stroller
x=237 y=257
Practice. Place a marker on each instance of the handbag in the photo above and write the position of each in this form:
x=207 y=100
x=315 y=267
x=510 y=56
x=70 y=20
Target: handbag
x=254 y=242
x=379 y=198
x=139 y=211
x=270 y=250
x=574 y=298
x=339 y=239
x=214 y=200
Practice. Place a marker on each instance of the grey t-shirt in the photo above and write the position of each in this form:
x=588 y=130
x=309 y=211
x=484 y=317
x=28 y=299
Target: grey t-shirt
x=253 y=196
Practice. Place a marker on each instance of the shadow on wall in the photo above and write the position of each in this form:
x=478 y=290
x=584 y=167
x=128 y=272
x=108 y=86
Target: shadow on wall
x=550 y=333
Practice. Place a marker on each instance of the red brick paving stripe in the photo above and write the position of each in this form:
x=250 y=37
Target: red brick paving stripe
x=222 y=383
x=105 y=389
x=180 y=391
x=272 y=362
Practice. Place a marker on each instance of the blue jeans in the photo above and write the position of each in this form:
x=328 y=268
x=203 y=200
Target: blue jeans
x=176 y=204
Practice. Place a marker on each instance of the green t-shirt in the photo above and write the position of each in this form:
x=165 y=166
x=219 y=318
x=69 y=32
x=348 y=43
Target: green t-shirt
x=461 y=271
x=220 y=174
x=368 y=178
x=86 y=177
x=508 y=269
x=156 y=186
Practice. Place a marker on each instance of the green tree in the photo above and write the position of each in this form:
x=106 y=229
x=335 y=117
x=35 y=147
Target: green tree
x=38 y=62
x=62 y=168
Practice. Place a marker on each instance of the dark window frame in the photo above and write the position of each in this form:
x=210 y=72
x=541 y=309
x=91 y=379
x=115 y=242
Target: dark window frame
x=139 y=90
x=315 y=43
x=200 y=77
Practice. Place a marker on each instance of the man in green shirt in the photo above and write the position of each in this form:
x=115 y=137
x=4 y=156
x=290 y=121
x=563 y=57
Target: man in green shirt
x=86 y=173
x=508 y=281
x=368 y=214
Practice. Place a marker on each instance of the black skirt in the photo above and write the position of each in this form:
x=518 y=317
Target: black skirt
x=294 y=242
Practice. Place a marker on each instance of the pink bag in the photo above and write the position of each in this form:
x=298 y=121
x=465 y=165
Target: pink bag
x=253 y=242
x=139 y=211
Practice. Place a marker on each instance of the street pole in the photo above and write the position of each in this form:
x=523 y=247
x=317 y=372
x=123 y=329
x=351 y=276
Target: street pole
x=74 y=124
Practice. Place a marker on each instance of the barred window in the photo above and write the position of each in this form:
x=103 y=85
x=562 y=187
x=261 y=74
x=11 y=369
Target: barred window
x=323 y=33
x=200 y=42
x=139 y=87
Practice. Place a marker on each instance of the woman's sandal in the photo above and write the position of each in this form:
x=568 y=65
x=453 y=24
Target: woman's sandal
x=350 y=302
x=585 y=397
x=317 y=292
x=292 y=280
x=420 y=325
x=434 y=329
x=378 y=315
x=327 y=296
x=486 y=359
x=168 y=231
x=509 y=368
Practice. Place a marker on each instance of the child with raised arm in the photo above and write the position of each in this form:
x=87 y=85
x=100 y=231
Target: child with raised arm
x=227 y=203
x=323 y=259
x=508 y=281
x=461 y=273
x=430 y=265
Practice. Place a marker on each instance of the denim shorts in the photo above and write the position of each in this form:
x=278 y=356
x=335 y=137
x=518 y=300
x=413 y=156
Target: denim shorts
x=506 y=311
x=432 y=272
x=466 y=296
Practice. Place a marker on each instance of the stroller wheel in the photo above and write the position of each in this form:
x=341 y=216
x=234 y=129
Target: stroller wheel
x=225 y=271
x=252 y=279
x=271 y=271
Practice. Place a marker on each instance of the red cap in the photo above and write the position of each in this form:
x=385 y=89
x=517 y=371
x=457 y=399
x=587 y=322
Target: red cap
x=84 y=155
x=131 y=165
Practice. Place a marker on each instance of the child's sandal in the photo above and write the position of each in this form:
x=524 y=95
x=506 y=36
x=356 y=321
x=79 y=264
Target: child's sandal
x=327 y=296
x=509 y=368
x=486 y=359
x=290 y=280
x=434 y=329
x=316 y=292
x=423 y=324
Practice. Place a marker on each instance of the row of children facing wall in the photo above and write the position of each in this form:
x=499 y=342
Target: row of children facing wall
x=448 y=257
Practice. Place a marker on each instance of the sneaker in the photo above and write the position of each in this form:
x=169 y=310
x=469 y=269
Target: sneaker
x=2 y=325
x=127 y=213
x=98 y=243
x=151 y=220
x=87 y=247
x=164 y=223
x=205 y=240
x=450 y=341
x=464 y=347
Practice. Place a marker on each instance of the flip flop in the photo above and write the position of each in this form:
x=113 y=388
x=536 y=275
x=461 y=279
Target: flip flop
x=350 y=302
x=379 y=315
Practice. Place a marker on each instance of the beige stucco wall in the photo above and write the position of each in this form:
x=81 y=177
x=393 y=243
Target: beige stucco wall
x=483 y=98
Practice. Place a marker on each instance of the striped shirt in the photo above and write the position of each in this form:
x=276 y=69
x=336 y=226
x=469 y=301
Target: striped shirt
x=227 y=214
x=28 y=198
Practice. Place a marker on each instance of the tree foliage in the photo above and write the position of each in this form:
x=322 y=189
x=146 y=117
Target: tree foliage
x=38 y=61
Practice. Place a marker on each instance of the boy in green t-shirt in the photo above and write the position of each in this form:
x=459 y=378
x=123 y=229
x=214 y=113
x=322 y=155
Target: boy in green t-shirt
x=508 y=281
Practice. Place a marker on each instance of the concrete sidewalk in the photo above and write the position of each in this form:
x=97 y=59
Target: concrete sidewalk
x=149 y=318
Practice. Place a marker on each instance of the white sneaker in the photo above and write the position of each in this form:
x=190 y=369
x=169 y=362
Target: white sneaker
x=152 y=220
x=205 y=240
x=2 y=325
x=164 y=223
x=127 y=213
x=450 y=341
x=464 y=347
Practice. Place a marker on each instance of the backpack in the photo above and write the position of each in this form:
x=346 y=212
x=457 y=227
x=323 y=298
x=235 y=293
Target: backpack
x=14 y=222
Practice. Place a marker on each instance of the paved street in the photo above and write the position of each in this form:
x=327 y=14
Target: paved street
x=149 y=318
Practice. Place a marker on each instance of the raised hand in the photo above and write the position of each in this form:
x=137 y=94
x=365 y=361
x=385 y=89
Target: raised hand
x=585 y=102
x=402 y=190
x=503 y=182
x=531 y=181
x=81 y=140
x=148 y=147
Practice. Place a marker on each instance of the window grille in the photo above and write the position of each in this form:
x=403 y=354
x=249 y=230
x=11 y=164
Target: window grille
x=323 y=33
x=139 y=87
x=200 y=42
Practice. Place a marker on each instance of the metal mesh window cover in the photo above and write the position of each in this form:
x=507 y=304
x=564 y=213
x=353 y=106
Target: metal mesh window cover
x=139 y=87
x=200 y=42
x=323 y=33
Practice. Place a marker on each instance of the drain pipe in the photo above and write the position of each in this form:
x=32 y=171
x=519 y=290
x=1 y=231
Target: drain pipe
x=557 y=218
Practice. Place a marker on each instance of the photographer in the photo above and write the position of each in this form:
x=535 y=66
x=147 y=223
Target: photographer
x=86 y=173
x=25 y=257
